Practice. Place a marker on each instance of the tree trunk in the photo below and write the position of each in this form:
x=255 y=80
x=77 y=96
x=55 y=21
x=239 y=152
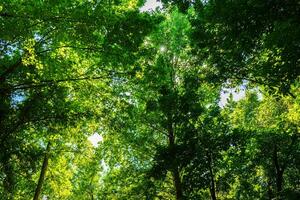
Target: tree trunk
x=175 y=170
x=43 y=174
x=279 y=173
x=279 y=183
x=212 y=180
x=177 y=183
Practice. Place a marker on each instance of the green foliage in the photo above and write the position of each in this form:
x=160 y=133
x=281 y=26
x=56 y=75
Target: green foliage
x=150 y=85
x=253 y=40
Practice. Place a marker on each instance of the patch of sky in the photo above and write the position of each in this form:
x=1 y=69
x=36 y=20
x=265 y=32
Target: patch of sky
x=151 y=5
x=42 y=143
x=162 y=49
x=237 y=93
x=104 y=166
x=8 y=49
x=117 y=81
x=105 y=169
x=37 y=37
x=95 y=139
x=41 y=39
x=17 y=98
x=45 y=197
x=128 y=97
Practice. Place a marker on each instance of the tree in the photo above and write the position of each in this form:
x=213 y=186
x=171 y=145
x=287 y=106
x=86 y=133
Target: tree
x=256 y=41
x=150 y=84
x=54 y=58
x=268 y=144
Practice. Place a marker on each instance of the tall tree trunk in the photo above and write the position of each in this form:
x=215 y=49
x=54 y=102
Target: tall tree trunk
x=175 y=170
x=177 y=183
x=279 y=173
x=212 y=180
x=43 y=173
x=279 y=183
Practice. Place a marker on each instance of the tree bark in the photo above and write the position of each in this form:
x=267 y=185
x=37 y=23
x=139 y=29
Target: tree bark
x=212 y=188
x=279 y=183
x=177 y=183
x=43 y=173
x=279 y=173
x=175 y=170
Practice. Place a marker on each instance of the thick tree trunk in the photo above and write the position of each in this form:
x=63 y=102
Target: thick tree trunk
x=177 y=183
x=43 y=173
x=175 y=170
x=212 y=180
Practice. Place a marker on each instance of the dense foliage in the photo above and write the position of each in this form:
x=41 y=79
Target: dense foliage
x=151 y=86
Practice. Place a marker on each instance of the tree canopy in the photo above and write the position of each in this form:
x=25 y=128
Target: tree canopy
x=193 y=100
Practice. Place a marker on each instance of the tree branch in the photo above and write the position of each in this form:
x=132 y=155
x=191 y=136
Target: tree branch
x=10 y=70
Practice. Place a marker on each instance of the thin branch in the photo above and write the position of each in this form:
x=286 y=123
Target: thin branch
x=45 y=83
x=10 y=70
x=73 y=47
